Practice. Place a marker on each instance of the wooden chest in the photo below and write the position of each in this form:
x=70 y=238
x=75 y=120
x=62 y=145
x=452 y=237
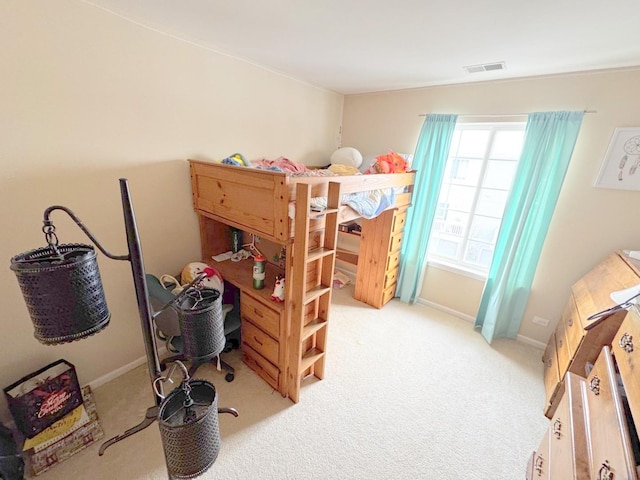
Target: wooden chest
x=572 y=348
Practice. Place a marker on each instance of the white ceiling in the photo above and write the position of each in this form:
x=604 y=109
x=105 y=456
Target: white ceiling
x=357 y=46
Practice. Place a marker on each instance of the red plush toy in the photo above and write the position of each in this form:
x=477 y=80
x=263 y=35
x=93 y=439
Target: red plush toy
x=389 y=163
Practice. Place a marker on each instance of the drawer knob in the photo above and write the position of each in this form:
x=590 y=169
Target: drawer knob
x=605 y=472
x=557 y=428
x=594 y=385
x=626 y=342
x=257 y=340
x=538 y=465
x=570 y=322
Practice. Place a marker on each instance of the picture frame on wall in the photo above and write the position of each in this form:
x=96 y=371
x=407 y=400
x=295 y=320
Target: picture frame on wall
x=621 y=166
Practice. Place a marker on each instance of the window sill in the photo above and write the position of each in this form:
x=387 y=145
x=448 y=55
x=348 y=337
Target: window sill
x=457 y=269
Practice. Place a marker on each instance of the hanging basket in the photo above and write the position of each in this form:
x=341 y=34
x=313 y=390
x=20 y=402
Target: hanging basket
x=190 y=446
x=63 y=292
x=201 y=323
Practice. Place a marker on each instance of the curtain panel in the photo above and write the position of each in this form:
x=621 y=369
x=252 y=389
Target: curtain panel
x=549 y=141
x=430 y=160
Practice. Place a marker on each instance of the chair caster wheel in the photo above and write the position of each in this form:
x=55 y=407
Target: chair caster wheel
x=229 y=377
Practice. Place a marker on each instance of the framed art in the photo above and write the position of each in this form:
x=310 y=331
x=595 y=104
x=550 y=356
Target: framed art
x=621 y=166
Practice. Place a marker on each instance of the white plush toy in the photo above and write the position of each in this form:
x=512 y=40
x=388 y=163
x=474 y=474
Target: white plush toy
x=213 y=280
x=348 y=156
x=278 y=290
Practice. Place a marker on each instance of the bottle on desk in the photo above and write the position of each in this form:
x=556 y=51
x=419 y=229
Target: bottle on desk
x=258 y=272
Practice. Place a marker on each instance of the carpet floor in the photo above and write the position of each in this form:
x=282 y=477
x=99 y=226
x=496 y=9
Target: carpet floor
x=409 y=393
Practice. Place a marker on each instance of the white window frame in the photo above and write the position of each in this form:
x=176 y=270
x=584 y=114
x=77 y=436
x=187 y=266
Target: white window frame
x=459 y=266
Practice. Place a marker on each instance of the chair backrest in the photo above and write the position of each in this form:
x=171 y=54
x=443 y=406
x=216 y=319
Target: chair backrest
x=167 y=322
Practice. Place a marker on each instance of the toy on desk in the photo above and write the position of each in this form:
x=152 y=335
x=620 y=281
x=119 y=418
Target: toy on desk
x=213 y=280
x=278 y=290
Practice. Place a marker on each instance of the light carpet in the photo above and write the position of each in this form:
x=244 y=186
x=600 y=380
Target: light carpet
x=409 y=393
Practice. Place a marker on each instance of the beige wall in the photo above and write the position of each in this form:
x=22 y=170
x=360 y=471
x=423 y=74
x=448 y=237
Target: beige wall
x=588 y=223
x=87 y=98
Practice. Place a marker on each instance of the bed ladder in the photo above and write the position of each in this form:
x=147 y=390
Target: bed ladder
x=312 y=283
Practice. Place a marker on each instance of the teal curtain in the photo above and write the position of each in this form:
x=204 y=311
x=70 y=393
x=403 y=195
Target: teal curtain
x=430 y=160
x=548 y=144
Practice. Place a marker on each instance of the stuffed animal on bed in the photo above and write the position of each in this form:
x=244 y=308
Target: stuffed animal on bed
x=213 y=280
x=237 y=159
x=392 y=162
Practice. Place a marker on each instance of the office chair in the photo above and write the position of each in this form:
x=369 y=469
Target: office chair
x=167 y=329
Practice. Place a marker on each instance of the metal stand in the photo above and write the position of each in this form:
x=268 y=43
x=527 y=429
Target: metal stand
x=142 y=296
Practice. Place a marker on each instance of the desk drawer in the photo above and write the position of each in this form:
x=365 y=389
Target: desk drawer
x=626 y=350
x=261 y=366
x=260 y=342
x=608 y=434
x=261 y=315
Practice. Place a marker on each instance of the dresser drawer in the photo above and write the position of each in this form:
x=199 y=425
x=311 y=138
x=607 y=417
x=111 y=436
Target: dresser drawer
x=388 y=294
x=260 y=342
x=562 y=347
x=567 y=438
x=261 y=315
x=399 y=219
x=626 y=350
x=261 y=366
x=574 y=331
x=396 y=242
x=550 y=373
x=610 y=447
x=390 y=278
x=541 y=459
x=393 y=260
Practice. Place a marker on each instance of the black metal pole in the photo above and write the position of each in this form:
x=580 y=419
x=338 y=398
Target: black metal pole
x=140 y=285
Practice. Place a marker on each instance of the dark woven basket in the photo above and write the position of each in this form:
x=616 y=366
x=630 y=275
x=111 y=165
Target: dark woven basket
x=201 y=323
x=190 y=448
x=64 y=296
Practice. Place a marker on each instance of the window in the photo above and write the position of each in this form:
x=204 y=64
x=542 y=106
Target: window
x=480 y=169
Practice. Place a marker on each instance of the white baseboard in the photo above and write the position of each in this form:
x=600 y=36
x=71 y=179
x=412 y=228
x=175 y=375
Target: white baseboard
x=122 y=370
x=470 y=319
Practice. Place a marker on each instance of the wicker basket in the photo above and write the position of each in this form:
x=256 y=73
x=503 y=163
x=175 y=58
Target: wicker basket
x=190 y=448
x=201 y=323
x=63 y=292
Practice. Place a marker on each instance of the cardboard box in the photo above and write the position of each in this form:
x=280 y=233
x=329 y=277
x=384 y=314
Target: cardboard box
x=43 y=397
x=70 y=437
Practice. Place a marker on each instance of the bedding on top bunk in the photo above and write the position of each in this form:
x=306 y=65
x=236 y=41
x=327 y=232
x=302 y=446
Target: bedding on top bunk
x=368 y=204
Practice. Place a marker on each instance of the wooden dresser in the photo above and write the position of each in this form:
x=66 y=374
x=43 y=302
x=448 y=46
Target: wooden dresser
x=593 y=434
x=379 y=258
x=592 y=382
x=571 y=348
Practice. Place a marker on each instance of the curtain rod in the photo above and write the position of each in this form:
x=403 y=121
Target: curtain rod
x=499 y=115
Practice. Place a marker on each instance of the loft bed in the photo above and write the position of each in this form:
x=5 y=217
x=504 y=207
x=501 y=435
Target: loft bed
x=258 y=201
x=284 y=343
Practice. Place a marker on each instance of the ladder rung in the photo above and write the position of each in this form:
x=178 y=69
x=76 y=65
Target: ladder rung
x=326 y=211
x=316 y=292
x=309 y=358
x=319 y=253
x=313 y=327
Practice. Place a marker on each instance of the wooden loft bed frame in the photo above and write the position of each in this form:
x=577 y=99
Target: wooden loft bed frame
x=284 y=342
x=257 y=201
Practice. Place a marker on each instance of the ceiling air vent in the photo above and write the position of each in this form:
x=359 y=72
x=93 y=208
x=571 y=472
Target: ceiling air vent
x=487 y=67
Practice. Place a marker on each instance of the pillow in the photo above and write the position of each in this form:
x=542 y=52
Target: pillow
x=346 y=156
